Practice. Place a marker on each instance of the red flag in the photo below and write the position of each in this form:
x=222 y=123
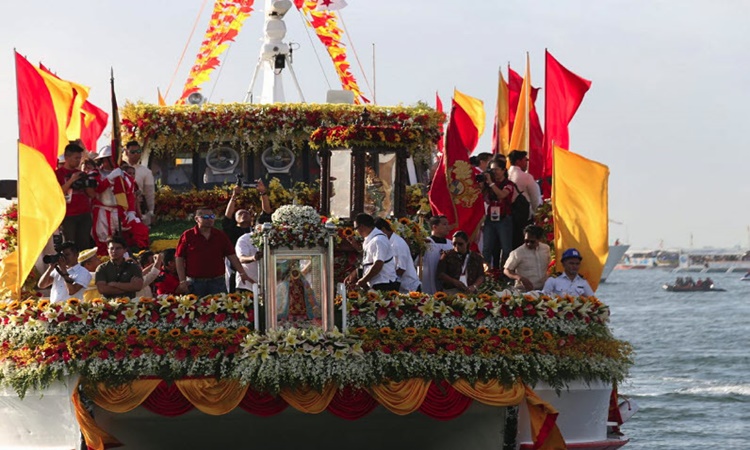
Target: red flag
x=439 y=108
x=536 y=136
x=454 y=193
x=563 y=93
x=37 y=119
x=94 y=121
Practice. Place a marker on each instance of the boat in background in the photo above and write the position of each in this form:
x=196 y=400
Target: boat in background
x=649 y=259
x=746 y=277
x=688 y=285
x=713 y=260
x=616 y=253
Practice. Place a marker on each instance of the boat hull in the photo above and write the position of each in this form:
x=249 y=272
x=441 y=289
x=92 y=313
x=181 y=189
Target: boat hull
x=616 y=253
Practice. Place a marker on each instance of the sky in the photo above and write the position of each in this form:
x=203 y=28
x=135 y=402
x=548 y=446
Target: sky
x=670 y=82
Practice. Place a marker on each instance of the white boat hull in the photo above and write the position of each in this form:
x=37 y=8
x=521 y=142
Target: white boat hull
x=616 y=252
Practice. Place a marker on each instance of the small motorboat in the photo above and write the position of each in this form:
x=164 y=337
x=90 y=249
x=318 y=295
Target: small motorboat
x=746 y=277
x=688 y=285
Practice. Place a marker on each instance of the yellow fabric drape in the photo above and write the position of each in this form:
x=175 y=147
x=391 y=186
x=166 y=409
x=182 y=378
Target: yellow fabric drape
x=212 y=396
x=95 y=437
x=491 y=393
x=308 y=400
x=519 y=136
x=122 y=399
x=401 y=397
x=579 y=205
x=539 y=413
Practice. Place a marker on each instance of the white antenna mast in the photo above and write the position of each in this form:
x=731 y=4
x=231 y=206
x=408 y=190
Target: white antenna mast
x=275 y=56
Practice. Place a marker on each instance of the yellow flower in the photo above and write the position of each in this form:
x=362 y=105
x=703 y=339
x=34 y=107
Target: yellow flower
x=458 y=331
x=174 y=332
x=110 y=332
x=483 y=331
x=221 y=331
x=52 y=340
x=73 y=302
x=434 y=331
x=133 y=331
x=526 y=332
x=411 y=331
x=439 y=295
x=94 y=333
x=385 y=330
x=196 y=333
x=504 y=332
x=153 y=332
x=360 y=330
x=243 y=331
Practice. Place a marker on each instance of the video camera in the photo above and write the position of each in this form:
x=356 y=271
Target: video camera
x=241 y=177
x=57 y=241
x=480 y=178
x=85 y=181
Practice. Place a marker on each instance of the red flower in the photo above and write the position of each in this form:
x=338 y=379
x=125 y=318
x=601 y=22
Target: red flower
x=382 y=313
x=103 y=354
x=181 y=354
x=518 y=312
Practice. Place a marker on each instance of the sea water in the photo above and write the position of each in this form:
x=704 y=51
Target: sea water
x=691 y=377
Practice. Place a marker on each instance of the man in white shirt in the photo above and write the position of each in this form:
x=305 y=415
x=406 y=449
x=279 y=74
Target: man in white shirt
x=143 y=177
x=248 y=255
x=66 y=277
x=528 y=263
x=437 y=243
x=569 y=282
x=405 y=269
x=519 y=163
x=378 y=264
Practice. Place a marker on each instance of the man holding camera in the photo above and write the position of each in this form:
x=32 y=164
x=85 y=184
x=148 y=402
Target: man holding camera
x=66 y=277
x=77 y=224
x=498 y=222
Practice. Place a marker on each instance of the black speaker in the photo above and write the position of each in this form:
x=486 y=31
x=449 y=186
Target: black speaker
x=8 y=189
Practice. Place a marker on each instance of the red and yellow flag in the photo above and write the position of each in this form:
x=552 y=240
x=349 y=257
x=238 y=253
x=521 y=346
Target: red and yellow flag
x=580 y=211
x=501 y=128
x=519 y=138
x=454 y=193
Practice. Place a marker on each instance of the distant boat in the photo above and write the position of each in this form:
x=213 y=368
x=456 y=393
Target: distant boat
x=745 y=277
x=649 y=259
x=700 y=286
x=616 y=253
x=714 y=260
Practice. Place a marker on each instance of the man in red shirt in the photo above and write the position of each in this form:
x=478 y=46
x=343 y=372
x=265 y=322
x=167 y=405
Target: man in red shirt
x=77 y=223
x=200 y=257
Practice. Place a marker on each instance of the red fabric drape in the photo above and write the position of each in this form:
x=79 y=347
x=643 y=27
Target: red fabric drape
x=167 y=400
x=262 y=404
x=443 y=402
x=352 y=404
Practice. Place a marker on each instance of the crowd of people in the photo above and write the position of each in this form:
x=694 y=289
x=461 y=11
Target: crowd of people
x=105 y=215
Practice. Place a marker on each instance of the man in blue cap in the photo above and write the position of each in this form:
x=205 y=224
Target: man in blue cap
x=569 y=282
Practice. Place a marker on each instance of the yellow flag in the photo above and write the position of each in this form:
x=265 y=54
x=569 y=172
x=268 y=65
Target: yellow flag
x=41 y=206
x=162 y=102
x=579 y=203
x=473 y=107
x=501 y=142
x=519 y=137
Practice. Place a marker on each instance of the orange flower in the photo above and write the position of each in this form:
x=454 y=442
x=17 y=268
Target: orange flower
x=484 y=297
x=548 y=335
x=483 y=331
x=192 y=297
x=153 y=332
x=243 y=331
x=174 y=332
x=110 y=332
x=460 y=295
x=12 y=306
x=97 y=301
x=170 y=299
x=73 y=302
x=28 y=303
x=458 y=331
x=360 y=330
x=196 y=333
x=234 y=297
x=221 y=331
x=434 y=331
x=352 y=295
x=43 y=304
x=52 y=340
x=504 y=332
x=133 y=331
x=404 y=221
x=72 y=338
x=123 y=300
x=415 y=294
x=411 y=331
x=393 y=293
x=146 y=300
x=526 y=332
x=94 y=333
x=385 y=330
x=347 y=232
x=439 y=295
x=372 y=295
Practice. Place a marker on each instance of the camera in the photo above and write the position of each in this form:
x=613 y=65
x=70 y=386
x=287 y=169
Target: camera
x=480 y=178
x=240 y=177
x=57 y=241
x=85 y=181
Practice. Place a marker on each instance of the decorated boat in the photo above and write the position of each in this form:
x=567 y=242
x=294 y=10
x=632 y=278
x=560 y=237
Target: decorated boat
x=495 y=368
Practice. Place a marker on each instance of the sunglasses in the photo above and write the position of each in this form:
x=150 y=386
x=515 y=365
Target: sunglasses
x=208 y=216
x=135 y=152
x=530 y=241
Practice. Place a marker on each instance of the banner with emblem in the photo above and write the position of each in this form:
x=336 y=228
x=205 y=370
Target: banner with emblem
x=454 y=193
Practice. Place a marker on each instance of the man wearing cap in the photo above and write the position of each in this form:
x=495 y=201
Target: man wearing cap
x=143 y=177
x=89 y=260
x=66 y=277
x=118 y=277
x=200 y=257
x=569 y=282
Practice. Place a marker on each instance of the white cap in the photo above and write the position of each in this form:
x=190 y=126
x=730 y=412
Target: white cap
x=104 y=152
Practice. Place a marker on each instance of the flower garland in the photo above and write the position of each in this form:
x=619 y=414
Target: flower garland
x=392 y=337
x=168 y=130
x=8 y=230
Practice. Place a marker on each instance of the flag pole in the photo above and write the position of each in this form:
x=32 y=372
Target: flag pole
x=529 y=105
x=18 y=189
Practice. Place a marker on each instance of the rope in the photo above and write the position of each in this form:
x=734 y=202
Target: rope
x=184 y=50
x=308 y=25
x=351 y=44
x=218 y=74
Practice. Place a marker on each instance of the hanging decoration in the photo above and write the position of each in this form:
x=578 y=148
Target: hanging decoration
x=226 y=21
x=325 y=23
